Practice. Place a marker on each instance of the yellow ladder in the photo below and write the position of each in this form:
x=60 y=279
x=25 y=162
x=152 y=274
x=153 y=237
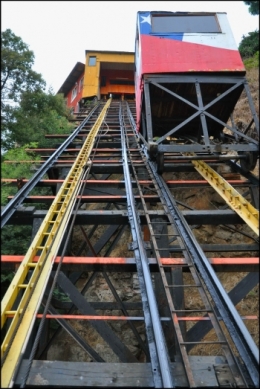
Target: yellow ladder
x=47 y=241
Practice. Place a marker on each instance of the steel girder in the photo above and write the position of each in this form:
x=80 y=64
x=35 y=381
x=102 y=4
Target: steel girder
x=190 y=113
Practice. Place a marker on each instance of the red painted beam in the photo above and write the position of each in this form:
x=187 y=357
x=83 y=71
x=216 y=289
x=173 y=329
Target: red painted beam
x=126 y=318
x=83 y=135
x=34 y=199
x=51 y=150
x=123 y=318
x=104 y=182
x=103 y=150
x=108 y=154
x=142 y=182
x=116 y=161
x=125 y=261
x=40 y=161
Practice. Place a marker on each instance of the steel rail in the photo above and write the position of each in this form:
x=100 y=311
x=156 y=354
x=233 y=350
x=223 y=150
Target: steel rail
x=136 y=233
x=174 y=316
x=236 y=328
x=83 y=156
x=141 y=257
x=12 y=205
x=238 y=331
x=47 y=240
x=78 y=189
x=172 y=308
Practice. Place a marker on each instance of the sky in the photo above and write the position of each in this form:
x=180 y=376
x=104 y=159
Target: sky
x=59 y=32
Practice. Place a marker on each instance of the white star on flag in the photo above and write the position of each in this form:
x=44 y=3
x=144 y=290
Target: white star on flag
x=146 y=19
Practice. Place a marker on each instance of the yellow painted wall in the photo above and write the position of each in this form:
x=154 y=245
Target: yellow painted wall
x=91 y=77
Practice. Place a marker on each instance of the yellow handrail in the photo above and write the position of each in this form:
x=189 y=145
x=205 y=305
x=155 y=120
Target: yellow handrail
x=47 y=241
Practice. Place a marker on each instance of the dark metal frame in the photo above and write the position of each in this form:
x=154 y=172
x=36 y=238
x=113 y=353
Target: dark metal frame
x=21 y=195
x=237 y=330
x=122 y=216
x=239 y=141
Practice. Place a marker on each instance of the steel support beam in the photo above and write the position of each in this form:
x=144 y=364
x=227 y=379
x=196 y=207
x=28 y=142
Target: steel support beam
x=243 y=287
x=12 y=206
x=211 y=217
x=103 y=329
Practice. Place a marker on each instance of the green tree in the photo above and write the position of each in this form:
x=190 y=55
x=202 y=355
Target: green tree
x=17 y=75
x=16 y=169
x=249 y=44
x=253 y=7
x=39 y=114
x=15 y=239
x=16 y=68
x=28 y=113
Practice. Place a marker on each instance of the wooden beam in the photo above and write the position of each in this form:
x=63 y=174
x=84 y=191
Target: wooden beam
x=131 y=375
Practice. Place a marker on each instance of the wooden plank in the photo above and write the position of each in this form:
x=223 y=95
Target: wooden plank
x=83 y=374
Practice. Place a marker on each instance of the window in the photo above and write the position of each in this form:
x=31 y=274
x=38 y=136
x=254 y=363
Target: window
x=185 y=24
x=74 y=92
x=81 y=84
x=92 y=61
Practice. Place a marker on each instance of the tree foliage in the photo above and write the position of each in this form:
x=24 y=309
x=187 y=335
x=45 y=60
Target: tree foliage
x=249 y=44
x=15 y=239
x=16 y=68
x=17 y=169
x=253 y=7
x=28 y=112
x=39 y=114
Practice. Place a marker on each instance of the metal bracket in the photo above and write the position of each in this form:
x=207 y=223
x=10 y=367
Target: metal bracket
x=134 y=245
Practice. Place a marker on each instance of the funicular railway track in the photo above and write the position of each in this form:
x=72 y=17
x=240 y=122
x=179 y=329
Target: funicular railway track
x=114 y=149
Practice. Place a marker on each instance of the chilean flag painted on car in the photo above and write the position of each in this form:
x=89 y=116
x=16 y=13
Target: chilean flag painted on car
x=183 y=42
x=170 y=51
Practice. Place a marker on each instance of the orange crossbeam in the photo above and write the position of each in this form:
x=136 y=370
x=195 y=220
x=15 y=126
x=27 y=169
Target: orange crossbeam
x=122 y=260
x=103 y=150
x=58 y=181
x=142 y=182
x=90 y=198
x=114 y=134
x=117 y=161
x=40 y=161
x=122 y=318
